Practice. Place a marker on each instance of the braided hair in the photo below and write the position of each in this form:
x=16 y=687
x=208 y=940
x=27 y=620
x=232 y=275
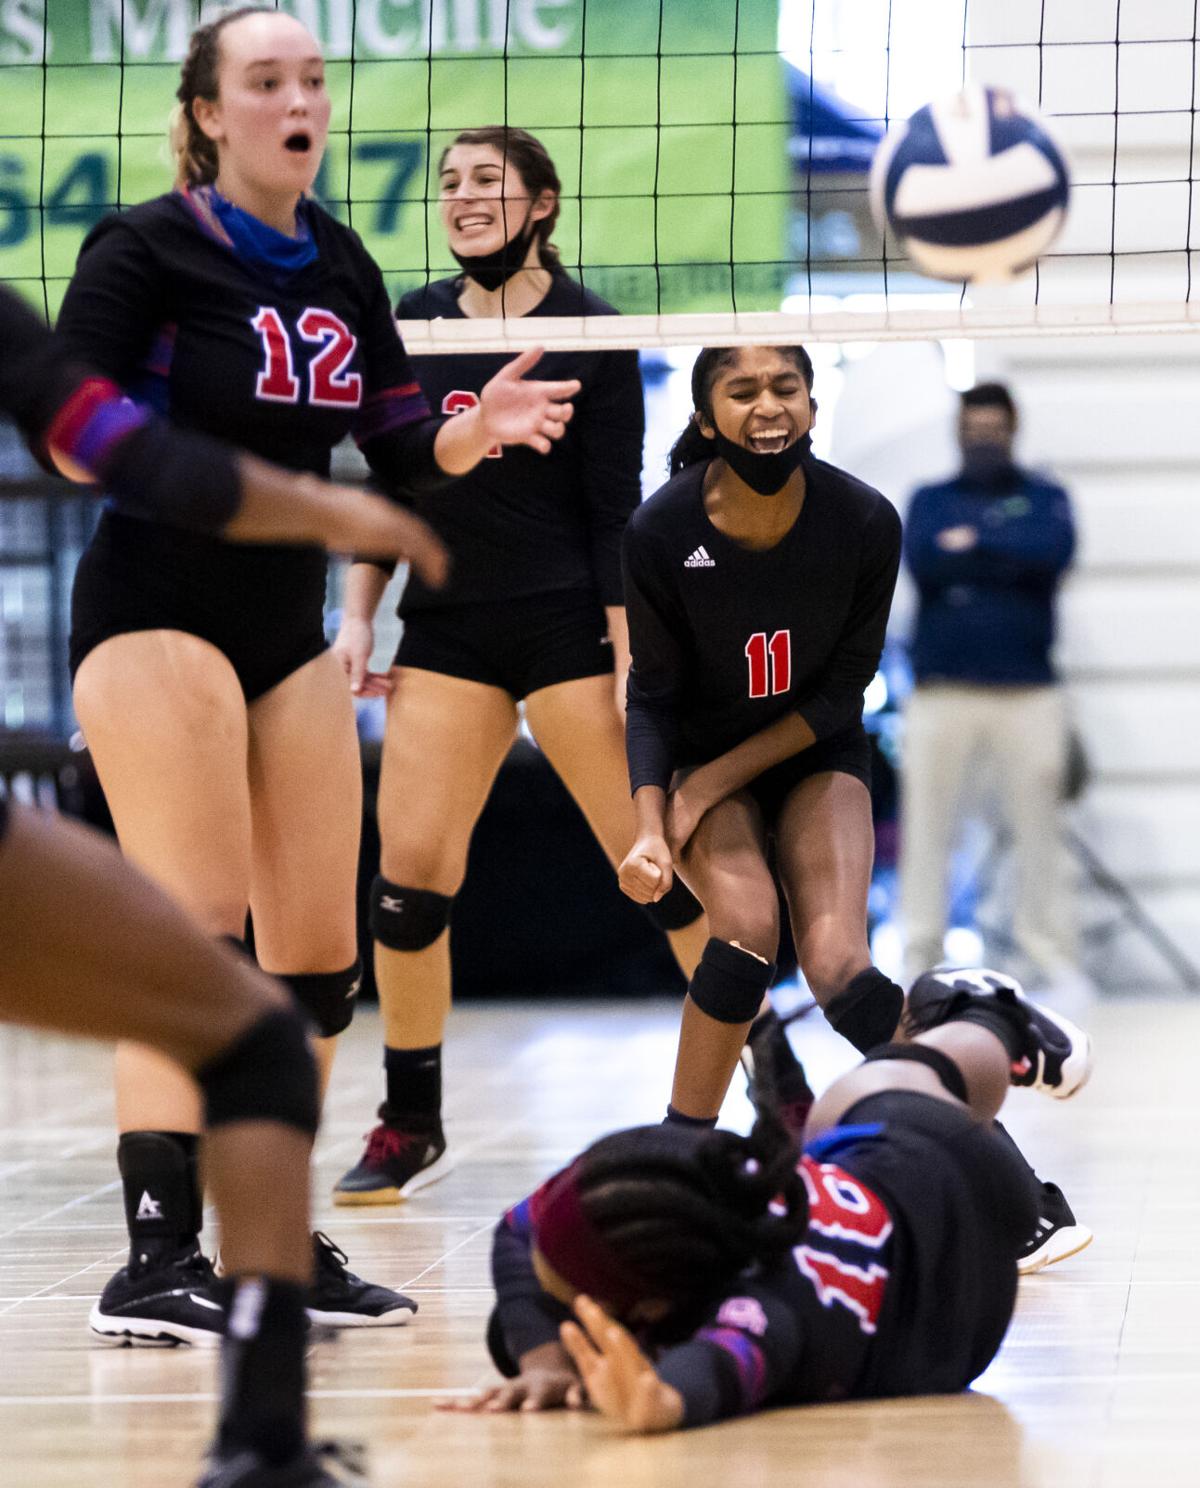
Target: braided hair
x=692 y=446
x=686 y=1212
x=196 y=162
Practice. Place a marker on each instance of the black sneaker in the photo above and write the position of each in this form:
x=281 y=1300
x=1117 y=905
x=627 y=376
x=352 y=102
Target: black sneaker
x=398 y=1161
x=1056 y=1235
x=339 y=1299
x=772 y=1069
x=161 y=1303
x=1057 y=1059
x=326 y=1465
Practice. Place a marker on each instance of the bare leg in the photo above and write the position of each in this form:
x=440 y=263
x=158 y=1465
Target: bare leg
x=980 y=1056
x=826 y=846
x=306 y=809
x=176 y=786
x=578 y=728
x=725 y=865
x=125 y=962
x=446 y=740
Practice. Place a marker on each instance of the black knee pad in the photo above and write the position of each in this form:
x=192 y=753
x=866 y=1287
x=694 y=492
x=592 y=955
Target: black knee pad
x=729 y=983
x=268 y=1074
x=677 y=909
x=866 y=1010
x=935 y=1059
x=407 y=919
x=328 y=996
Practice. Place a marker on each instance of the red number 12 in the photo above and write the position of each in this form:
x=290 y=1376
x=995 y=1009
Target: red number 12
x=770 y=662
x=330 y=385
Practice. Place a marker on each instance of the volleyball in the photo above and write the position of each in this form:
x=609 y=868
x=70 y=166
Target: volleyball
x=973 y=185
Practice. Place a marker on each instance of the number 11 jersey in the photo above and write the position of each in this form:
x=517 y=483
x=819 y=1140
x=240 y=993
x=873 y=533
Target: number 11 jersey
x=726 y=640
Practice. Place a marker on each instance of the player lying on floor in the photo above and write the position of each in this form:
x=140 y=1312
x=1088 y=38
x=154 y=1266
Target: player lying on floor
x=713 y=1274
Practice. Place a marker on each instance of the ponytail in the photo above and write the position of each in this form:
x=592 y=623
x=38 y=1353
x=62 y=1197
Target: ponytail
x=196 y=162
x=690 y=447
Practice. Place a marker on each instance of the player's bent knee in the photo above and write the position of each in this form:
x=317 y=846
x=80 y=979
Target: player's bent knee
x=830 y=968
x=947 y=1071
x=268 y=1073
x=404 y=919
x=328 y=997
x=677 y=909
x=729 y=982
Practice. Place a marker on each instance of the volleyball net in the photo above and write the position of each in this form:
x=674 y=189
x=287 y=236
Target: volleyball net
x=713 y=155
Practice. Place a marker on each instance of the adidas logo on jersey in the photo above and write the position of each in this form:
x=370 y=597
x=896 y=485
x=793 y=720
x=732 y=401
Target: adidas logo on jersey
x=700 y=559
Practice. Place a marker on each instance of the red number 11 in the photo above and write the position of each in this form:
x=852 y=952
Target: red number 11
x=770 y=662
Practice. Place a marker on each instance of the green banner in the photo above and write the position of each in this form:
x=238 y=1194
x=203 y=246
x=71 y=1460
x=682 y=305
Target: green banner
x=667 y=123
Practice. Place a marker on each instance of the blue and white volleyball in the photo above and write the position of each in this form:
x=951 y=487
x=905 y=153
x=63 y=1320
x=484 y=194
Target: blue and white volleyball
x=974 y=186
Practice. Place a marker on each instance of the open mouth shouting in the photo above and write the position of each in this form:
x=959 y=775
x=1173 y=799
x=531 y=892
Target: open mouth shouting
x=299 y=142
x=770 y=441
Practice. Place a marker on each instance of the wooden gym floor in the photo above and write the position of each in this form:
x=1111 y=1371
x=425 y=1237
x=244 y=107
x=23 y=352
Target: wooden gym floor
x=1097 y=1384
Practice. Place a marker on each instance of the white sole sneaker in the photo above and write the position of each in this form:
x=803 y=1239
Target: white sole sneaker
x=125 y=1332
x=399 y=1317
x=1058 y=1246
x=1076 y=1068
x=426 y=1178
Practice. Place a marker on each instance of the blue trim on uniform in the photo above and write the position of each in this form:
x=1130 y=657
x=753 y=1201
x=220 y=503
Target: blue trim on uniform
x=839 y=1137
x=519 y=1220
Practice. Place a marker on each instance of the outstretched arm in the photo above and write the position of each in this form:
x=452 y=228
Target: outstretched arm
x=523 y=1335
x=82 y=425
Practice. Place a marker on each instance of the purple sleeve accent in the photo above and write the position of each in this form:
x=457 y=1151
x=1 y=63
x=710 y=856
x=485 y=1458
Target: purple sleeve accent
x=392 y=408
x=748 y=1359
x=109 y=424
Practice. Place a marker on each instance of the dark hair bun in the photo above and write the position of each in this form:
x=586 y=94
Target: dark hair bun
x=756 y=1179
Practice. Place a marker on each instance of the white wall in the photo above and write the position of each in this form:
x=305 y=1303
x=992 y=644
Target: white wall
x=1117 y=420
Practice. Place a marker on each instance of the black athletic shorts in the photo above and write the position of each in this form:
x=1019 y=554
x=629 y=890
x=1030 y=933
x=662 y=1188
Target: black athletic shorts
x=848 y=752
x=962 y=1203
x=262 y=606
x=519 y=645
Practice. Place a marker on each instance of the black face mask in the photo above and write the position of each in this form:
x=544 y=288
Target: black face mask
x=765 y=474
x=988 y=464
x=493 y=270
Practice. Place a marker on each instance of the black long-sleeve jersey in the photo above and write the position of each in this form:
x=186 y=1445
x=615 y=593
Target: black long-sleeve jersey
x=727 y=640
x=521 y=523
x=280 y=359
x=892 y=1291
x=184 y=478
